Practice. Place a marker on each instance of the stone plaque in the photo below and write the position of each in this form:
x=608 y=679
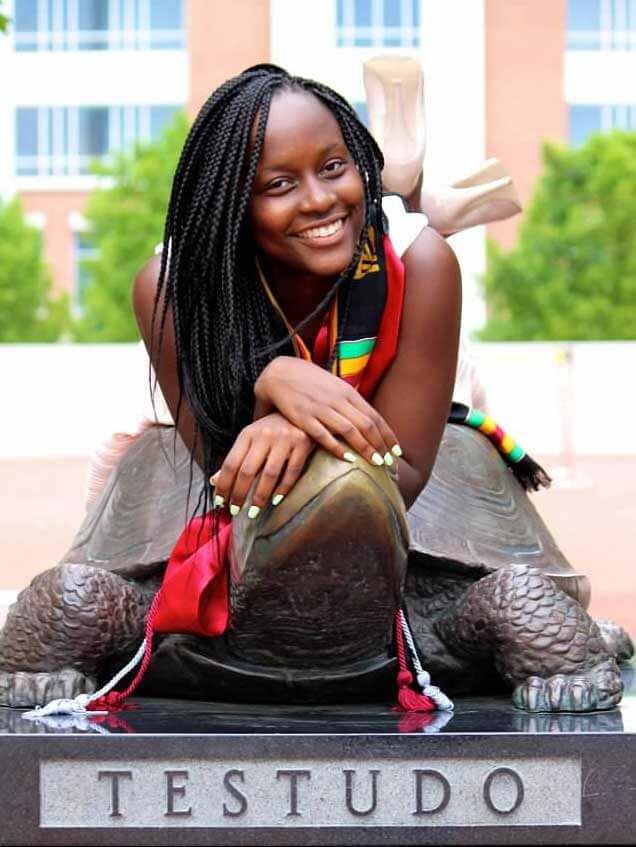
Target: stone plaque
x=201 y=792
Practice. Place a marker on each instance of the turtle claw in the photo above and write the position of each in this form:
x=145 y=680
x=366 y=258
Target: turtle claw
x=618 y=643
x=22 y=690
x=599 y=687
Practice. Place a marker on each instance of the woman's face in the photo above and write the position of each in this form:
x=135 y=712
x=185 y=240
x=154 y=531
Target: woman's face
x=307 y=204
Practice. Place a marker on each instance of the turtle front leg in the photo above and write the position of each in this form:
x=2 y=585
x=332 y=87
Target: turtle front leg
x=60 y=629
x=542 y=642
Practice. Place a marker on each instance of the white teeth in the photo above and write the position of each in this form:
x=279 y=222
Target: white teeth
x=322 y=231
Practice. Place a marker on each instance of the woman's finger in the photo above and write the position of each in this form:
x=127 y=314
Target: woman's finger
x=358 y=431
x=388 y=436
x=293 y=470
x=270 y=475
x=226 y=475
x=250 y=467
x=319 y=433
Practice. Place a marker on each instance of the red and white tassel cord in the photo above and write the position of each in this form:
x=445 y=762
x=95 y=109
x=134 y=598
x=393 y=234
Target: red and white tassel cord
x=105 y=700
x=431 y=697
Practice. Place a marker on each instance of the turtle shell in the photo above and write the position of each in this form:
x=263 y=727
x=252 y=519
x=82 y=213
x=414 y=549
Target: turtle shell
x=474 y=513
x=135 y=522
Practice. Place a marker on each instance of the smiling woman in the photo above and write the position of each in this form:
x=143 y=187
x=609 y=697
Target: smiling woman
x=309 y=371
x=306 y=349
x=288 y=249
x=281 y=320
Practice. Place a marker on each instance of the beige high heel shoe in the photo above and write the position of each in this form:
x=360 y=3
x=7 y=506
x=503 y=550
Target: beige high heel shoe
x=486 y=195
x=394 y=88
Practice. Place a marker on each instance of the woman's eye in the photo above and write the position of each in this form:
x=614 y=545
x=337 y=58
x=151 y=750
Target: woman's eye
x=335 y=166
x=277 y=184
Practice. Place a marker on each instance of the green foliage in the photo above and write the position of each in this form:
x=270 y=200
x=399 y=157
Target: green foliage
x=4 y=20
x=126 y=221
x=27 y=311
x=572 y=274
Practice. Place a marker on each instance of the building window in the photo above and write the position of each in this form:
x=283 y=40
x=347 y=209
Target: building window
x=378 y=23
x=362 y=111
x=65 y=140
x=98 y=25
x=602 y=24
x=83 y=251
x=584 y=120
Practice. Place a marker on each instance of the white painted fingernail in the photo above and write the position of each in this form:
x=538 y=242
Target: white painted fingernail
x=213 y=479
x=349 y=457
x=377 y=459
x=388 y=459
x=253 y=511
x=234 y=509
x=277 y=498
x=396 y=450
x=219 y=501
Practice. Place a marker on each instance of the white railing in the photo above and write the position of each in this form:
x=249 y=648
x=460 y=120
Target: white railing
x=555 y=398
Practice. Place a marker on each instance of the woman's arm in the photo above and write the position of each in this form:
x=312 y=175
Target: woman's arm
x=271 y=446
x=416 y=392
x=326 y=408
x=143 y=300
x=412 y=403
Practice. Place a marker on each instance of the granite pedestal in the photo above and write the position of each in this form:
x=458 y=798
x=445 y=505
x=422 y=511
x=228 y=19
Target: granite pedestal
x=174 y=772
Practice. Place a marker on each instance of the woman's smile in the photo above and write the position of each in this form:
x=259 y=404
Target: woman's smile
x=324 y=234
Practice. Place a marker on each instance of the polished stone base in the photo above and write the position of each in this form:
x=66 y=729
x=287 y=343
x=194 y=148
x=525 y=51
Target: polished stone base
x=248 y=775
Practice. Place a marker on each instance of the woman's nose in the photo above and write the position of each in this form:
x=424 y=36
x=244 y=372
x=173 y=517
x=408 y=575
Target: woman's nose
x=318 y=195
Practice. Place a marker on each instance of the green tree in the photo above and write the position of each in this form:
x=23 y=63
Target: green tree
x=4 y=20
x=572 y=274
x=126 y=221
x=28 y=312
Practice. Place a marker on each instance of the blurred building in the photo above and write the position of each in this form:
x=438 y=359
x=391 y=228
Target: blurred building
x=87 y=77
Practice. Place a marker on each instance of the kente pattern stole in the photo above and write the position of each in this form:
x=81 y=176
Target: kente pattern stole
x=358 y=338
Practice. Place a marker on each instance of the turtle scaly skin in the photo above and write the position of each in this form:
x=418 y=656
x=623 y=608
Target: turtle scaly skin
x=492 y=601
x=62 y=627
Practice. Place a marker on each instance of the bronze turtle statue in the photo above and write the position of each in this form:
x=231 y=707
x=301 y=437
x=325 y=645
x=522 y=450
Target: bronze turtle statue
x=314 y=587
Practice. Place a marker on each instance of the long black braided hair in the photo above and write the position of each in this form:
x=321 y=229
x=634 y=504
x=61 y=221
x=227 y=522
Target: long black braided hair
x=226 y=330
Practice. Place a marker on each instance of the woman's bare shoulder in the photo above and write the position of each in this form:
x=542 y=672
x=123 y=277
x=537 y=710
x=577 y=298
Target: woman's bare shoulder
x=431 y=258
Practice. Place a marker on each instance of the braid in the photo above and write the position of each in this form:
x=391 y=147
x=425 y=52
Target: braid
x=225 y=328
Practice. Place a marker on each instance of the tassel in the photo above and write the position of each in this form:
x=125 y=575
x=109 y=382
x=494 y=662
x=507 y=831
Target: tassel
x=528 y=473
x=431 y=692
x=409 y=700
x=64 y=706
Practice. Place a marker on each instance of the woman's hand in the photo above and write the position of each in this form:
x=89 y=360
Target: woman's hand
x=271 y=446
x=324 y=406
